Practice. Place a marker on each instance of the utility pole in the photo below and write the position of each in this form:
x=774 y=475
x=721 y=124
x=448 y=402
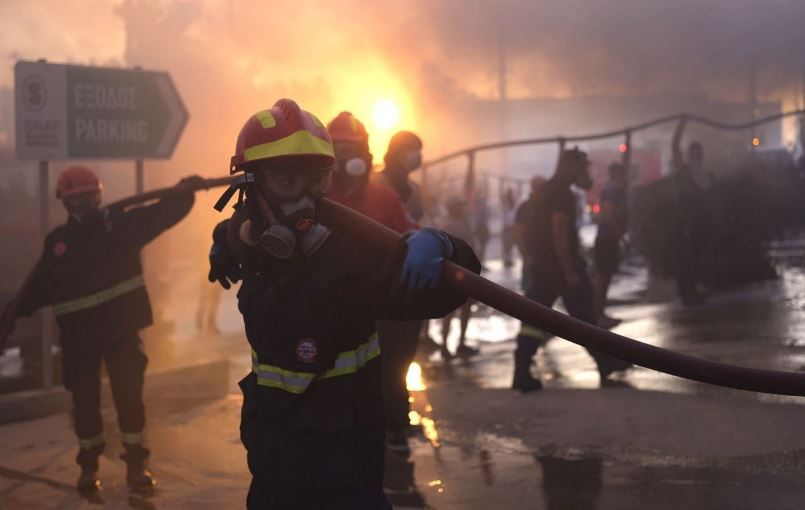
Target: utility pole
x=502 y=92
x=755 y=113
x=801 y=104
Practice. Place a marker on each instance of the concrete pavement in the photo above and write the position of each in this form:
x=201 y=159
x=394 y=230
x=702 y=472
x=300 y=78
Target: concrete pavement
x=652 y=442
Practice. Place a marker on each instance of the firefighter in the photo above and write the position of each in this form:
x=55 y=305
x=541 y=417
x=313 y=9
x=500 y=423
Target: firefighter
x=351 y=184
x=312 y=419
x=352 y=187
x=400 y=339
x=91 y=273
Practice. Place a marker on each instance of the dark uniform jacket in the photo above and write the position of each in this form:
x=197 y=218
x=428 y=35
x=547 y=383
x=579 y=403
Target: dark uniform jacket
x=92 y=274
x=312 y=419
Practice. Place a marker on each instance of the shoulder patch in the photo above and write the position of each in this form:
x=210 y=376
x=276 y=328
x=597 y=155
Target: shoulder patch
x=59 y=248
x=307 y=350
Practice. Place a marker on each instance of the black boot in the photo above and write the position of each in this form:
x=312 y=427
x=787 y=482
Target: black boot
x=608 y=365
x=138 y=477
x=523 y=380
x=88 y=480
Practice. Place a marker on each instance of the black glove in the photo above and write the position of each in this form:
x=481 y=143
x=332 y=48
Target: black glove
x=223 y=267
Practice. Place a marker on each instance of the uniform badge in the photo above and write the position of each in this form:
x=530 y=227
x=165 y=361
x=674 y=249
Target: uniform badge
x=306 y=350
x=60 y=248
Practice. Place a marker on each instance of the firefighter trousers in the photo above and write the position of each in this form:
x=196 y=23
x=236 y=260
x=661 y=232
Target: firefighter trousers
x=125 y=362
x=398 y=344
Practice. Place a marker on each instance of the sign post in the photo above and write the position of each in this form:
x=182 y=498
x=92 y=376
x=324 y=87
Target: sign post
x=139 y=176
x=47 y=314
x=65 y=112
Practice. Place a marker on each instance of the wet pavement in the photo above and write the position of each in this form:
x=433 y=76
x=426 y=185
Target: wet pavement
x=652 y=441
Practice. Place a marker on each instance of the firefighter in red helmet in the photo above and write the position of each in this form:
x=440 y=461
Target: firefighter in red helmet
x=90 y=273
x=351 y=184
x=312 y=419
x=353 y=188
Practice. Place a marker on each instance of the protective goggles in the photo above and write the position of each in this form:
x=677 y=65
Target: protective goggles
x=293 y=184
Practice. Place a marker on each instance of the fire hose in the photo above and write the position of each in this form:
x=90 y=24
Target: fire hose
x=513 y=304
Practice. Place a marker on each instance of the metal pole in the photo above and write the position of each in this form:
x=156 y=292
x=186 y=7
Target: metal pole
x=47 y=313
x=139 y=177
x=503 y=154
x=753 y=105
x=469 y=180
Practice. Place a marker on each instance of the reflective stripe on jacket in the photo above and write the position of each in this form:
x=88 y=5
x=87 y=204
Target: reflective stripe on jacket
x=99 y=298
x=348 y=362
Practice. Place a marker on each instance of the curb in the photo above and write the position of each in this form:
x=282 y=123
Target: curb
x=204 y=380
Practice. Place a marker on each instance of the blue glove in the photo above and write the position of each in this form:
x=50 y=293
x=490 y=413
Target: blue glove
x=422 y=269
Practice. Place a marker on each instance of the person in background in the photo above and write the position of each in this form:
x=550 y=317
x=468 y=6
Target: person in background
x=404 y=156
x=399 y=340
x=508 y=210
x=458 y=225
x=557 y=267
x=480 y=214
x=692 y=185
x=523 y=236
x=612 y=225
x=207 y=310
x=352 y=185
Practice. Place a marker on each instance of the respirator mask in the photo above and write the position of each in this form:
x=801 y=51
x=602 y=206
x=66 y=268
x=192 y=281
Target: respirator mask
x=355 y=167
x=352 y=159
x=287 y=204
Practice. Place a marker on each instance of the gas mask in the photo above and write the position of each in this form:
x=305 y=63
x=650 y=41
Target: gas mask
x=412 y=160
x=94 y=220
x=84 y=207
x=281 y=209
x=286 y=203
x=291 y=223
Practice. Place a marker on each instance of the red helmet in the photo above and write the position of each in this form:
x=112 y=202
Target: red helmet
x=284 y=132
x=346 y=128
x=77 y=180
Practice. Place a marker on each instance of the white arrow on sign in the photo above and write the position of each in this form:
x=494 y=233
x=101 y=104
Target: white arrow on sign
x=81 y=112
x=177 y=113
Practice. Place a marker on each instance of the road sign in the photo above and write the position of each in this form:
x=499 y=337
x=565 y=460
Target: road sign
x=78 y=112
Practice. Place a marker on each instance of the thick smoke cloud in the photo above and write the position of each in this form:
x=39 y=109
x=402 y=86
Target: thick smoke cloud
x=232 y=57
x=628 y=46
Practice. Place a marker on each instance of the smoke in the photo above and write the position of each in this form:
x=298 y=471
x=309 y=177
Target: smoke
x=230 y=58
x=629 y=46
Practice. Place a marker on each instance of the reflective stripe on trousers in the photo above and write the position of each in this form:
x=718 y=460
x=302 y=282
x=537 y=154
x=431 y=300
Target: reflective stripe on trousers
x=347 y=362
x=91 y=442
x=132 y=438
x=531 y=332
x=93 y=300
